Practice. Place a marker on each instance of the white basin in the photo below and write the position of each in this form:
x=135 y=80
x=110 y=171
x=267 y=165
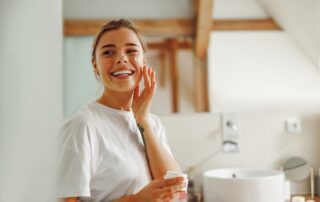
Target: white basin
x=243 y=185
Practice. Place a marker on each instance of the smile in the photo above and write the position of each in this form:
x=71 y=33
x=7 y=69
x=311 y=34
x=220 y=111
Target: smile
x=123 y=73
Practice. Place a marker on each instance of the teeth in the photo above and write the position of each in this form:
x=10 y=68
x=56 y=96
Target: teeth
x=122 y=72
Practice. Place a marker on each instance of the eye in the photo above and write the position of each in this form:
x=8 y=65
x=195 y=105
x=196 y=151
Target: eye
x=132 y=51
x=108 y=53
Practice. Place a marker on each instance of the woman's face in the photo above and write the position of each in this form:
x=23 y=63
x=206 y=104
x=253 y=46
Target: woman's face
x=119 y=60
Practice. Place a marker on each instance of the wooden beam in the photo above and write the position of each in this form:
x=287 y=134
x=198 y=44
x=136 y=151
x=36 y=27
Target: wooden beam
x=201 y=98
x=249 y=24
x=180 y=27
x=170 y=26
x=174 y=74
x=166 y=45
x=195 y=7
x=162 y=67
x=203 y=27
x=206 y=87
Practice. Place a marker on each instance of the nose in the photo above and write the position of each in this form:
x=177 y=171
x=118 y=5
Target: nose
x=122 y=58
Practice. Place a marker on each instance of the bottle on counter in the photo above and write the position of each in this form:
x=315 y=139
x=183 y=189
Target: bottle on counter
x=194 y=194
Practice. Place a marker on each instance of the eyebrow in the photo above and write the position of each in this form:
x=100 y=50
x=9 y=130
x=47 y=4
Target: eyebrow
x=112 y=45
x=131 y=44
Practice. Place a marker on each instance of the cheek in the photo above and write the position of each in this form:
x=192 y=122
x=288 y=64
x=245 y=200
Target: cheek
x=138 y=60
x=104 y=65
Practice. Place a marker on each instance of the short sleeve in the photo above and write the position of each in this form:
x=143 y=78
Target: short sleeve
x=73 y=160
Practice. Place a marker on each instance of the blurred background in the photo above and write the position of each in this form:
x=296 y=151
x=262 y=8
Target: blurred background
x=258 y=60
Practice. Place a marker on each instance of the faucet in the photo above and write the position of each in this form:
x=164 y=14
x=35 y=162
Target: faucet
x=230 y=146
x=230 y=133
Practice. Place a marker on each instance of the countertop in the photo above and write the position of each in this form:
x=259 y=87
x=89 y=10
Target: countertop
x=316 y=198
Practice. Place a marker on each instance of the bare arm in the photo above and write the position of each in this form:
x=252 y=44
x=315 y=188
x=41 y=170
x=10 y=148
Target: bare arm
x=160 y=161
x=130 y=198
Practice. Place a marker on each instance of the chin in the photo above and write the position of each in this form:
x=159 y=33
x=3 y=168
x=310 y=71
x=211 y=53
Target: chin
x=126 y=89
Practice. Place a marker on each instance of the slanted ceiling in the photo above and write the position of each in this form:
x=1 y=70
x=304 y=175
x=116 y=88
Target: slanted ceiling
x=301 y=20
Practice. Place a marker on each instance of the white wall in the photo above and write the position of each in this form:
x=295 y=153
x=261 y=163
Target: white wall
x=31 y=97
x=104 y=9
x=264 y=141
x=260 y=69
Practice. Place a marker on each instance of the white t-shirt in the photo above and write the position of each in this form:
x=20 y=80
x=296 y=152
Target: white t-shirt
x=101 y=154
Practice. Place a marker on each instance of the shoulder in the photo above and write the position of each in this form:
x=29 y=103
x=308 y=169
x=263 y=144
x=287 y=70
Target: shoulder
x=78 y=124
x=86 y=116
x=80 y=118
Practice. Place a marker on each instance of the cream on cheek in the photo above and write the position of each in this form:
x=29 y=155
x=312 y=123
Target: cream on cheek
x=138 y=62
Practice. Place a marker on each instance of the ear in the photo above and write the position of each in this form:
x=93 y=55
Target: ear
x=94 y=65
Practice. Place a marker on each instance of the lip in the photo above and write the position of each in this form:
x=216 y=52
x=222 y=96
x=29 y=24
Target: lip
x=122 y=76
x=122 y=68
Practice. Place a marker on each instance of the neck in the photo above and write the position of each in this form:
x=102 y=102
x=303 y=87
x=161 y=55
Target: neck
x=116 y=100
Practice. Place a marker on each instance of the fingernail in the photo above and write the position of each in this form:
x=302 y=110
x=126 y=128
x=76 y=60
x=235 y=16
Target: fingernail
x=183 y=185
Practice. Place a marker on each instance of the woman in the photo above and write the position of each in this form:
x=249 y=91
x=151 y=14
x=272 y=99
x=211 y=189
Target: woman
x=113 y=149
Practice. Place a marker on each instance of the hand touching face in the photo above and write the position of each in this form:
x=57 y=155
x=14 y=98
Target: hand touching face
x=119 y=60
x=142 y=100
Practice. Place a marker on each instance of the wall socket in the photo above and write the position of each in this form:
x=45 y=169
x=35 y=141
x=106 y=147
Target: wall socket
x=293 y=125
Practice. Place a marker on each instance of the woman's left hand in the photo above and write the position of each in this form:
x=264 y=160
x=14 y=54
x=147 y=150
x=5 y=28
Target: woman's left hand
x=142 y=101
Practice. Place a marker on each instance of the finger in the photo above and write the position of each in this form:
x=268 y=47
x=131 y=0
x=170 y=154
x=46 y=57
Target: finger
x=158 y=183
x=179 y=187
x=149 y=72
x=153 y=76
x=149 y=76
x=168 y=196
x=136 y=92
x=174 y=181
x=153 y=82
x=165 y=197
x=165 y=193
x=146 y=77
x=161 y=183
x=182 y=195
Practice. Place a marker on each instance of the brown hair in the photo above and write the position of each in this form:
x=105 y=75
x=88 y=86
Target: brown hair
x=113 y=25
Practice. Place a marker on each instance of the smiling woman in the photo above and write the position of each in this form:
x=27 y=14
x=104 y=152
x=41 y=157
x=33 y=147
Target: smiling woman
x=114 y=149
x=123 y=48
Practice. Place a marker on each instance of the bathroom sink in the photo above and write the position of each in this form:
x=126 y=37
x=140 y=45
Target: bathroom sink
x=243 y=185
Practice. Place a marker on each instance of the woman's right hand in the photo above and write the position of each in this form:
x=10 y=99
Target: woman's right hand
x=142 y=100
x=161 y=190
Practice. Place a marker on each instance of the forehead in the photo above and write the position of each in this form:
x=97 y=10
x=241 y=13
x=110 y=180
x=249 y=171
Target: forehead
x=119 y=37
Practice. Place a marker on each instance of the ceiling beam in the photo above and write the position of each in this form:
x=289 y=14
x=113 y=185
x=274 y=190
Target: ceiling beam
x=183 y=27
x=148 y=27
x=244 y=24
x=165 y=45
x=203 y=27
